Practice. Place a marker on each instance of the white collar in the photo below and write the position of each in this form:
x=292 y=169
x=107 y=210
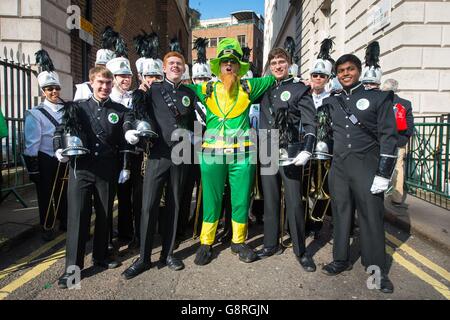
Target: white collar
x=54 y=107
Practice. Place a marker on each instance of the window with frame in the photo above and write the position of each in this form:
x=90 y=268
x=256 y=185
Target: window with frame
x=213 y=42
x=241 y=40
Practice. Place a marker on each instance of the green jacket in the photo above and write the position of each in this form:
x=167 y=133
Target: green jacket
x=227 y=117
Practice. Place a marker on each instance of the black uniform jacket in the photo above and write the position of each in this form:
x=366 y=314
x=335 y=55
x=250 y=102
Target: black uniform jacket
x=404 y=136
x=293 y=96
x=373 y=108
x=103 y=137
x=167 y=119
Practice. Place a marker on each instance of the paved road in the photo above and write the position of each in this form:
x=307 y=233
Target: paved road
x=418 y=270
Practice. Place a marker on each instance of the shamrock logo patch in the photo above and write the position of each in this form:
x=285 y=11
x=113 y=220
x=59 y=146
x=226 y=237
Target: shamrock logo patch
x=285 y=96
x=113 y=118
x=186 y=101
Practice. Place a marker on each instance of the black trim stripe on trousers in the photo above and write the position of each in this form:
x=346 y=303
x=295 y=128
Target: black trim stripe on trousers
x=129 y=196
x=160 y=170
x=350 y=181
x=291 y=177
x=93 y=181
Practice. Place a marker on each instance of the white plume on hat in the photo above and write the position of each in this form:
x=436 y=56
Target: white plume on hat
x=119 y=66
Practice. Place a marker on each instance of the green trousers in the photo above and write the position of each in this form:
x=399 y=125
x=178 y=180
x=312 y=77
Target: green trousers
x=241 y=171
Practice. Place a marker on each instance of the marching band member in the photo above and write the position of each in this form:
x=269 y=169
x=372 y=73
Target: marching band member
x=171 y=106
x=98 y=121
x=106 y=53
x=320 y=75
x=284 y=106
x=364 y=154
x=40 y=161
x=398 y=195
x=129 y=193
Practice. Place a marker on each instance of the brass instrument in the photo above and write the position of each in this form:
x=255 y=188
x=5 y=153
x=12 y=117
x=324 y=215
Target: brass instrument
x=52 y=204
x=197 y=210
x=283 y=220
x=319 y=200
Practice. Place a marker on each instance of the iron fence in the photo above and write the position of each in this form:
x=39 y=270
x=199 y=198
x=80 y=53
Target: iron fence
x=427 y=162
x=15 y=98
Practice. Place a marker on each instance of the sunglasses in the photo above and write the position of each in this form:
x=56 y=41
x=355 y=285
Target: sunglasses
x=50 y=89
x=229 y=60
x=321 y=76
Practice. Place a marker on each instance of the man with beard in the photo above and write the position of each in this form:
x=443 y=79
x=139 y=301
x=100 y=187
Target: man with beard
x=227 y=137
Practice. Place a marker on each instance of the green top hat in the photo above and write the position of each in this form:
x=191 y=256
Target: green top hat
x=229 y=48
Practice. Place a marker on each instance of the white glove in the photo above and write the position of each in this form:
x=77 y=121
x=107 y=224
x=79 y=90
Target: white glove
x=302 y=158
x=379 y=185
x=60 y=157
x=132 y=136
x=124 y=176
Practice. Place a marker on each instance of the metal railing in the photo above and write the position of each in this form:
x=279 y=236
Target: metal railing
x=427 y=161
x=15 y=98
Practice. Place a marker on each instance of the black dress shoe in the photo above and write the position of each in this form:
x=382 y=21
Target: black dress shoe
x=108 y=263
x=136 y=269
x=268 y=252
x=246 y=254
x=172 y=262
x=62 y=281
x=306 y=262
x=336 y=267
x=203 y=255
x=386 y=285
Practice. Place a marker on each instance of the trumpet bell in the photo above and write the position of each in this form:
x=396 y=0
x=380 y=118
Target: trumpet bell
x=73 y=146
x=145 y=129
x=321 y=151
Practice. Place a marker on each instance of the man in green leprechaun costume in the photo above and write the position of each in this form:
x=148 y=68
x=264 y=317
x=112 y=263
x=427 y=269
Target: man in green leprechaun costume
x=226 y=148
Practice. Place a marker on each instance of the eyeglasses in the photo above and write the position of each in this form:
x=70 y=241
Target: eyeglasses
x=322 y=76
x=50 y=89
x=229 y=60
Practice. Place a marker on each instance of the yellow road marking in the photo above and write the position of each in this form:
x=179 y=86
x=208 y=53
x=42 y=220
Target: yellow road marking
x=29 y=259
x=30 y=275
x=37 y=270
x=437 y=285
x=413 y=253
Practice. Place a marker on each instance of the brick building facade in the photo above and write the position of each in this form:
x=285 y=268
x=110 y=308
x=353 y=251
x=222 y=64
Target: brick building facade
x=247 y=29
x=129 y=17
x=28 y=26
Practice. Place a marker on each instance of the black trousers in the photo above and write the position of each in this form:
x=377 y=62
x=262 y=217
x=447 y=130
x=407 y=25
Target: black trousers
x=160 y=170
x=48 y=167
x=351 y=178
x=94 y=179
x=129 y=196
x=291 y=177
